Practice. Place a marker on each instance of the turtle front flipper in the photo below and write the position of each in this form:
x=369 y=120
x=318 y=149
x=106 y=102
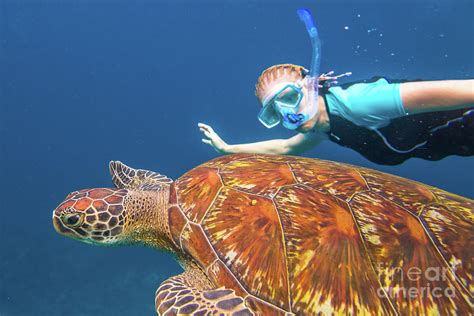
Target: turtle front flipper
x=191 y=293
x=125 y=177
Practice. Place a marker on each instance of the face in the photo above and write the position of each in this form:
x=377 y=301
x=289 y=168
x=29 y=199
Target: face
x=288 y=96
x=94 y=216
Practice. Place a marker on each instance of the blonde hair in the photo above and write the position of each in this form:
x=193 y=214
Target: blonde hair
x=276 y=74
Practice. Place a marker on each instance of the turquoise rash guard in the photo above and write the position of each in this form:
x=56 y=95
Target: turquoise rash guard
x=369 y=117
x=371 y=105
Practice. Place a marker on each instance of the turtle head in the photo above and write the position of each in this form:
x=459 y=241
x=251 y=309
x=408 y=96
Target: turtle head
x=96 y=216
x=136 y=211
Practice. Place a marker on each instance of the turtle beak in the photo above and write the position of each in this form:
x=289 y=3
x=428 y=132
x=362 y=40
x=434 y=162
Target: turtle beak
x=58 y=225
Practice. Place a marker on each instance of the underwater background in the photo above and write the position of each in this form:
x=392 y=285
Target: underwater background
x=86 y=82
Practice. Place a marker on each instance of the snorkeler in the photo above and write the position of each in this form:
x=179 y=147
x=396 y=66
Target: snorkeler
x=386 y=121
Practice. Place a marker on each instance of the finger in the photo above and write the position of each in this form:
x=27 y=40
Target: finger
x=204 y=126
x=206 y=141
x=209 y=129
x=206 y=132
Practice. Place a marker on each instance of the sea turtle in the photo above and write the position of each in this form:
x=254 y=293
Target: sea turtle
x=282 y=235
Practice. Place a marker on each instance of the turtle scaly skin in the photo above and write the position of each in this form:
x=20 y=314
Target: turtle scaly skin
x=276 y=235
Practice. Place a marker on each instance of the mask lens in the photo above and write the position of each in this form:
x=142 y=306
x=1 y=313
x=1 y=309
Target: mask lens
x=289 y=97
x=268 y=116
x=286 y=101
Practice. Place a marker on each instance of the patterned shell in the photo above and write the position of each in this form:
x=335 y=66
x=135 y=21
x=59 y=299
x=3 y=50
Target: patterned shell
x=306 y=236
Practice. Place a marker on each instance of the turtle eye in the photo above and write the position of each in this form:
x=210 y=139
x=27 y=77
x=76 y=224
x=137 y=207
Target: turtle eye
x=72 y=220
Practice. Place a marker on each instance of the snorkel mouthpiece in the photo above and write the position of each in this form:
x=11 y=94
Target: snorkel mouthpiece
x=295 y=118
x=292 y=121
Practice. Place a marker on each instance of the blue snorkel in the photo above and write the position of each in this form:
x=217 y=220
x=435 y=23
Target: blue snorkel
x=294 y=120
x=294 y=114
x=307 y=19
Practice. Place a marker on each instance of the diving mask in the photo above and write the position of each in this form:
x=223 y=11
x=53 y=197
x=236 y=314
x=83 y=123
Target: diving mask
x=284 y=107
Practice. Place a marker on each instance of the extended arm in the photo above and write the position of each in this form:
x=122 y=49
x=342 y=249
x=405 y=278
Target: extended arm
x=432 y=96
x=291 y=146
x=294 y=145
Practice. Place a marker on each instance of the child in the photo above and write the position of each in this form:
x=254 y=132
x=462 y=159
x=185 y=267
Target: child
x=385 y=121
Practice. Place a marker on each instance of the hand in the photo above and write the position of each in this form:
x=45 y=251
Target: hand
x=212 y=138
x=329 y=78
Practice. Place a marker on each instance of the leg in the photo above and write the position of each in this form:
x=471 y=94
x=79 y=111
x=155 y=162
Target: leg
x=432 y=96
x=191 y=293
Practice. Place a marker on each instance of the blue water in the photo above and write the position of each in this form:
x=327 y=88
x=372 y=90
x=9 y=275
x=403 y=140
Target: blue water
x=85 y=82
